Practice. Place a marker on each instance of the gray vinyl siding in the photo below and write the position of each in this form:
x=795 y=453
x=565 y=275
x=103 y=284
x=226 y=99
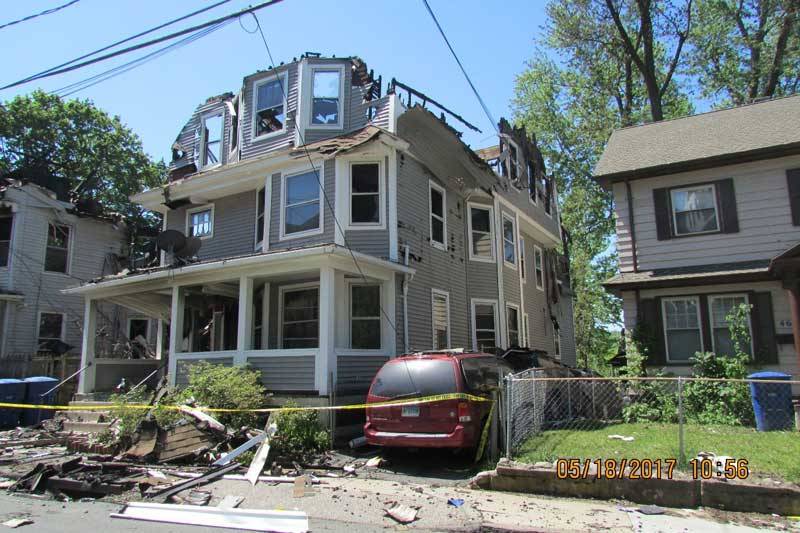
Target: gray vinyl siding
x=511 y=280
x=183 y=368
x=540 y=325
x=382 y=116
x=521 y=200
x=189 y=136
x=285 y=373
x=355 y=372
x=444 y=270
x=234 y=226
x=372 y=241
x=253 y=148
x=481 y=276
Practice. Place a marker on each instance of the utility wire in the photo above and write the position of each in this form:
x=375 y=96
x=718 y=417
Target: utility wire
x=41 y=14
x=127 y=39
x=463 y=71
x=142 y=45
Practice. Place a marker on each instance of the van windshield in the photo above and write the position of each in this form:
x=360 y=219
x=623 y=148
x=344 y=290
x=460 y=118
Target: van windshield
x=420 y=377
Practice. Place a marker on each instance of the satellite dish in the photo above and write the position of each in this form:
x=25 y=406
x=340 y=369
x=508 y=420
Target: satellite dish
x=170 y=241
x=190 y=249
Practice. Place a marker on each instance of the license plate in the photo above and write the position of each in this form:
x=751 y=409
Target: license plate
x=410 y=410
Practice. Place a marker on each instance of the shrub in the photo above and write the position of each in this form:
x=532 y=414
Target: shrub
x=714 y=402
x=226 y=387
x=300 y=434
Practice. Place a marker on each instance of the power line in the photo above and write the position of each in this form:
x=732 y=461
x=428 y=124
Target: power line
x=463 y=71
x=142 y=45
x=41 y=14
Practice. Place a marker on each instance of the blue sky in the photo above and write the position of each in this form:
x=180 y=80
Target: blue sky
x=397 y=39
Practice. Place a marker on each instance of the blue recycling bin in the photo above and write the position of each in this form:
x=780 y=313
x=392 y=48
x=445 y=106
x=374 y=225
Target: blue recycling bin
x=772 y=402
x=37 y=386
x=11 y=391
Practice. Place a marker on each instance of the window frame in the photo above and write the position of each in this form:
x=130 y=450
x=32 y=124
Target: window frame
x=446 y=295
x=489 y=209
x=296 y=287
x=379 y=317
x=310 y=98
x=526 y=328
x=235 y=112
x=522 y=263
x=436 y=244
x=218 y=113
x=128 y=327
x=710 y=298
x=320 y=178
x=381 y=224
x=282 y=77
x=70 y=240
x=557 y=343
x=10 y=217
x=516 y=164
x=538 y=253
x=663 y=303
x=515 y=307
x=259 y=244
x=39 y=326
x=673 y=212
x=474 y=302
x=511 y=265
x=199 y=209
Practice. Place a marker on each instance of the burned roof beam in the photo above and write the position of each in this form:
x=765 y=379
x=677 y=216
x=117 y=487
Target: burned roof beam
x=425 y=99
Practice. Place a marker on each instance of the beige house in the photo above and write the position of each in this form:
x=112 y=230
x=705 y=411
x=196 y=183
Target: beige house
x=708 y=217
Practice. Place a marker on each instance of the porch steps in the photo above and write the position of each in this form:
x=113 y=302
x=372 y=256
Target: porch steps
x=85 y=427
x=86 y=421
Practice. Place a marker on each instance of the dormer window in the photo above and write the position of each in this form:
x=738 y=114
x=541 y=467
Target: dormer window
x=270 y=106
x=212 y=139
x=326 y=97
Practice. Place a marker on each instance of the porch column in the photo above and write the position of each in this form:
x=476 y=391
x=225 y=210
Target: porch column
x=175 y=332
x=245 y=322
x=389 y=322
x=87 y=377
x=793 y=292
x=327 y=328
x=160 y=340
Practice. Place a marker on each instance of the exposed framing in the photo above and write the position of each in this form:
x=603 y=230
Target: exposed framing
x=212 y=219
x=446 y=295
x=490 y=210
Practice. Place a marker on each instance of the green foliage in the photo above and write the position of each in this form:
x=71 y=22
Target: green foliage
x=300 y=434
x=129 y=417
x=226 y=387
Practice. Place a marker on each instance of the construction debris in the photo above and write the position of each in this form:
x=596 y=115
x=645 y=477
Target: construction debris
x=76 y=479
x=166 y=492
x=257 y=465
x=17 y=522
x=230 y=502
x=404 y=514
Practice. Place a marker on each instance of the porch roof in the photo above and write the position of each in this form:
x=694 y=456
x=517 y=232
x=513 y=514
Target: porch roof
x=691 y=276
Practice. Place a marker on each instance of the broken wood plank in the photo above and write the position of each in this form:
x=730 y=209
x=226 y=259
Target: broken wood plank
x=193 y=482
x=260 y=459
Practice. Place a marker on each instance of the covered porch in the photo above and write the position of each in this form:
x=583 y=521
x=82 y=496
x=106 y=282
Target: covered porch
x=312 y=321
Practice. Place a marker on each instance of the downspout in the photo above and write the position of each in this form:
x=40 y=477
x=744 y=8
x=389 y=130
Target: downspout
x=631 y=227
x=406 y=280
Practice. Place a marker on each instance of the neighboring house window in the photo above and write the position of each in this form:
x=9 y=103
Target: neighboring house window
x=56 y=257
x=538 y=267
x=301 y=204
x=512 y=320
x=365 y=190
x=557 y=341
x=50 y=332
x=270 y=106
x=509 y=241
x=5 y=239
x=694 y=210
x=438 y=217
x=440 y=310
x=682 y=327
x=522 y=259
x=365 y=317
x=480 y=231
x=260 y=206
x=212 y=140
x=326 y=97
x=719 y=308
x=200 y=222
x=485 y=326
x=300 y=318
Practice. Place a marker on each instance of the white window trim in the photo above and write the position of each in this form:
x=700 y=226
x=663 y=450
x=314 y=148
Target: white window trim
x=258 y=245
x=523 y=260
x=319 y=169
x=69 y=248
x=711 y=298
x=190 y=212
x=490 y=210
x=10 y=243
x=238 y=114
x=510 y=218
x=440 y=245
x=673 y=213
x=283 y=77
x=39 y=324
x=526 y=326
x=128 y=327
x=220 y=114
x=480 y=301
x=309 y=99
x=434 y=293
x=696 y=300
x=508 y=329
x=283 y=289
x=381 y=224
x=537 y=252
x=360 y=283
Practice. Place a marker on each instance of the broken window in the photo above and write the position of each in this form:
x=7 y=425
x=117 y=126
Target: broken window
x=51 y=331
x=56 y=257
x=481 y=233
x=365 y=199
x=201 y=222
x=513 y=163
x=438 y=220
x=212 y=139
x=301 y=203
x=326 y=98
x=509 y=241
x=260 y=206
x=485 y=327
x=300 y=318
x=235 y=125
x=440 y=304
x=5 y=239
x=512 y=319
x=270 y=106
x=365 y=317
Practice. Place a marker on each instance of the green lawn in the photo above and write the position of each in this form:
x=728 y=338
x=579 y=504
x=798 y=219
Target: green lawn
x=772 y=454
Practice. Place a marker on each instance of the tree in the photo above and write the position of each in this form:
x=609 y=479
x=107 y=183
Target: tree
x=746 y=49
x=80 y=147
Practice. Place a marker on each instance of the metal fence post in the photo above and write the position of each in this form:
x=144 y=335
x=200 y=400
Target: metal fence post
x=681 y=454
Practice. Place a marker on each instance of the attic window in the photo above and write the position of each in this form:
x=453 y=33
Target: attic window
x=326 y=97
x=212 y=139
x=5 y=239
x=56 y=257
x=270 y=106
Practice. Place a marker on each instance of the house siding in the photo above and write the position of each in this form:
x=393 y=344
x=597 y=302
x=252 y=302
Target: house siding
x=355 y=372
x=285 y=373
x=256 y=147
x=184 y=366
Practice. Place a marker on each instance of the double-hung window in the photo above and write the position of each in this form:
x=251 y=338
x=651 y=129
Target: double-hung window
x=437 y=203
x=481 y=234
x=682 y=328
x=365 y=317
x=484 y=325
x=269 y=106
x=720 y=307
x=326 y=98
x=512 y=325
x=212 y=139
x=50 y=331
x=522 y=264
x=200 y=222
x=56 y=257
x=6 y=224
x=440 y=312
x=509 y=241
x=300 y=318
x=365 y=194
x=301 y=204
x=538 y=267
x=694 y=210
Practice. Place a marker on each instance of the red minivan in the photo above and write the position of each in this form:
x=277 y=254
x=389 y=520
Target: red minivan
x=455 y=423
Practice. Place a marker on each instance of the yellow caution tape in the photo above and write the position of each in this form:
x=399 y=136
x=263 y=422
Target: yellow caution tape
x=484 y=434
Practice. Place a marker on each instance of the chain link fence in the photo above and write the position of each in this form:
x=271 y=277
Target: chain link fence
x=550 y=418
